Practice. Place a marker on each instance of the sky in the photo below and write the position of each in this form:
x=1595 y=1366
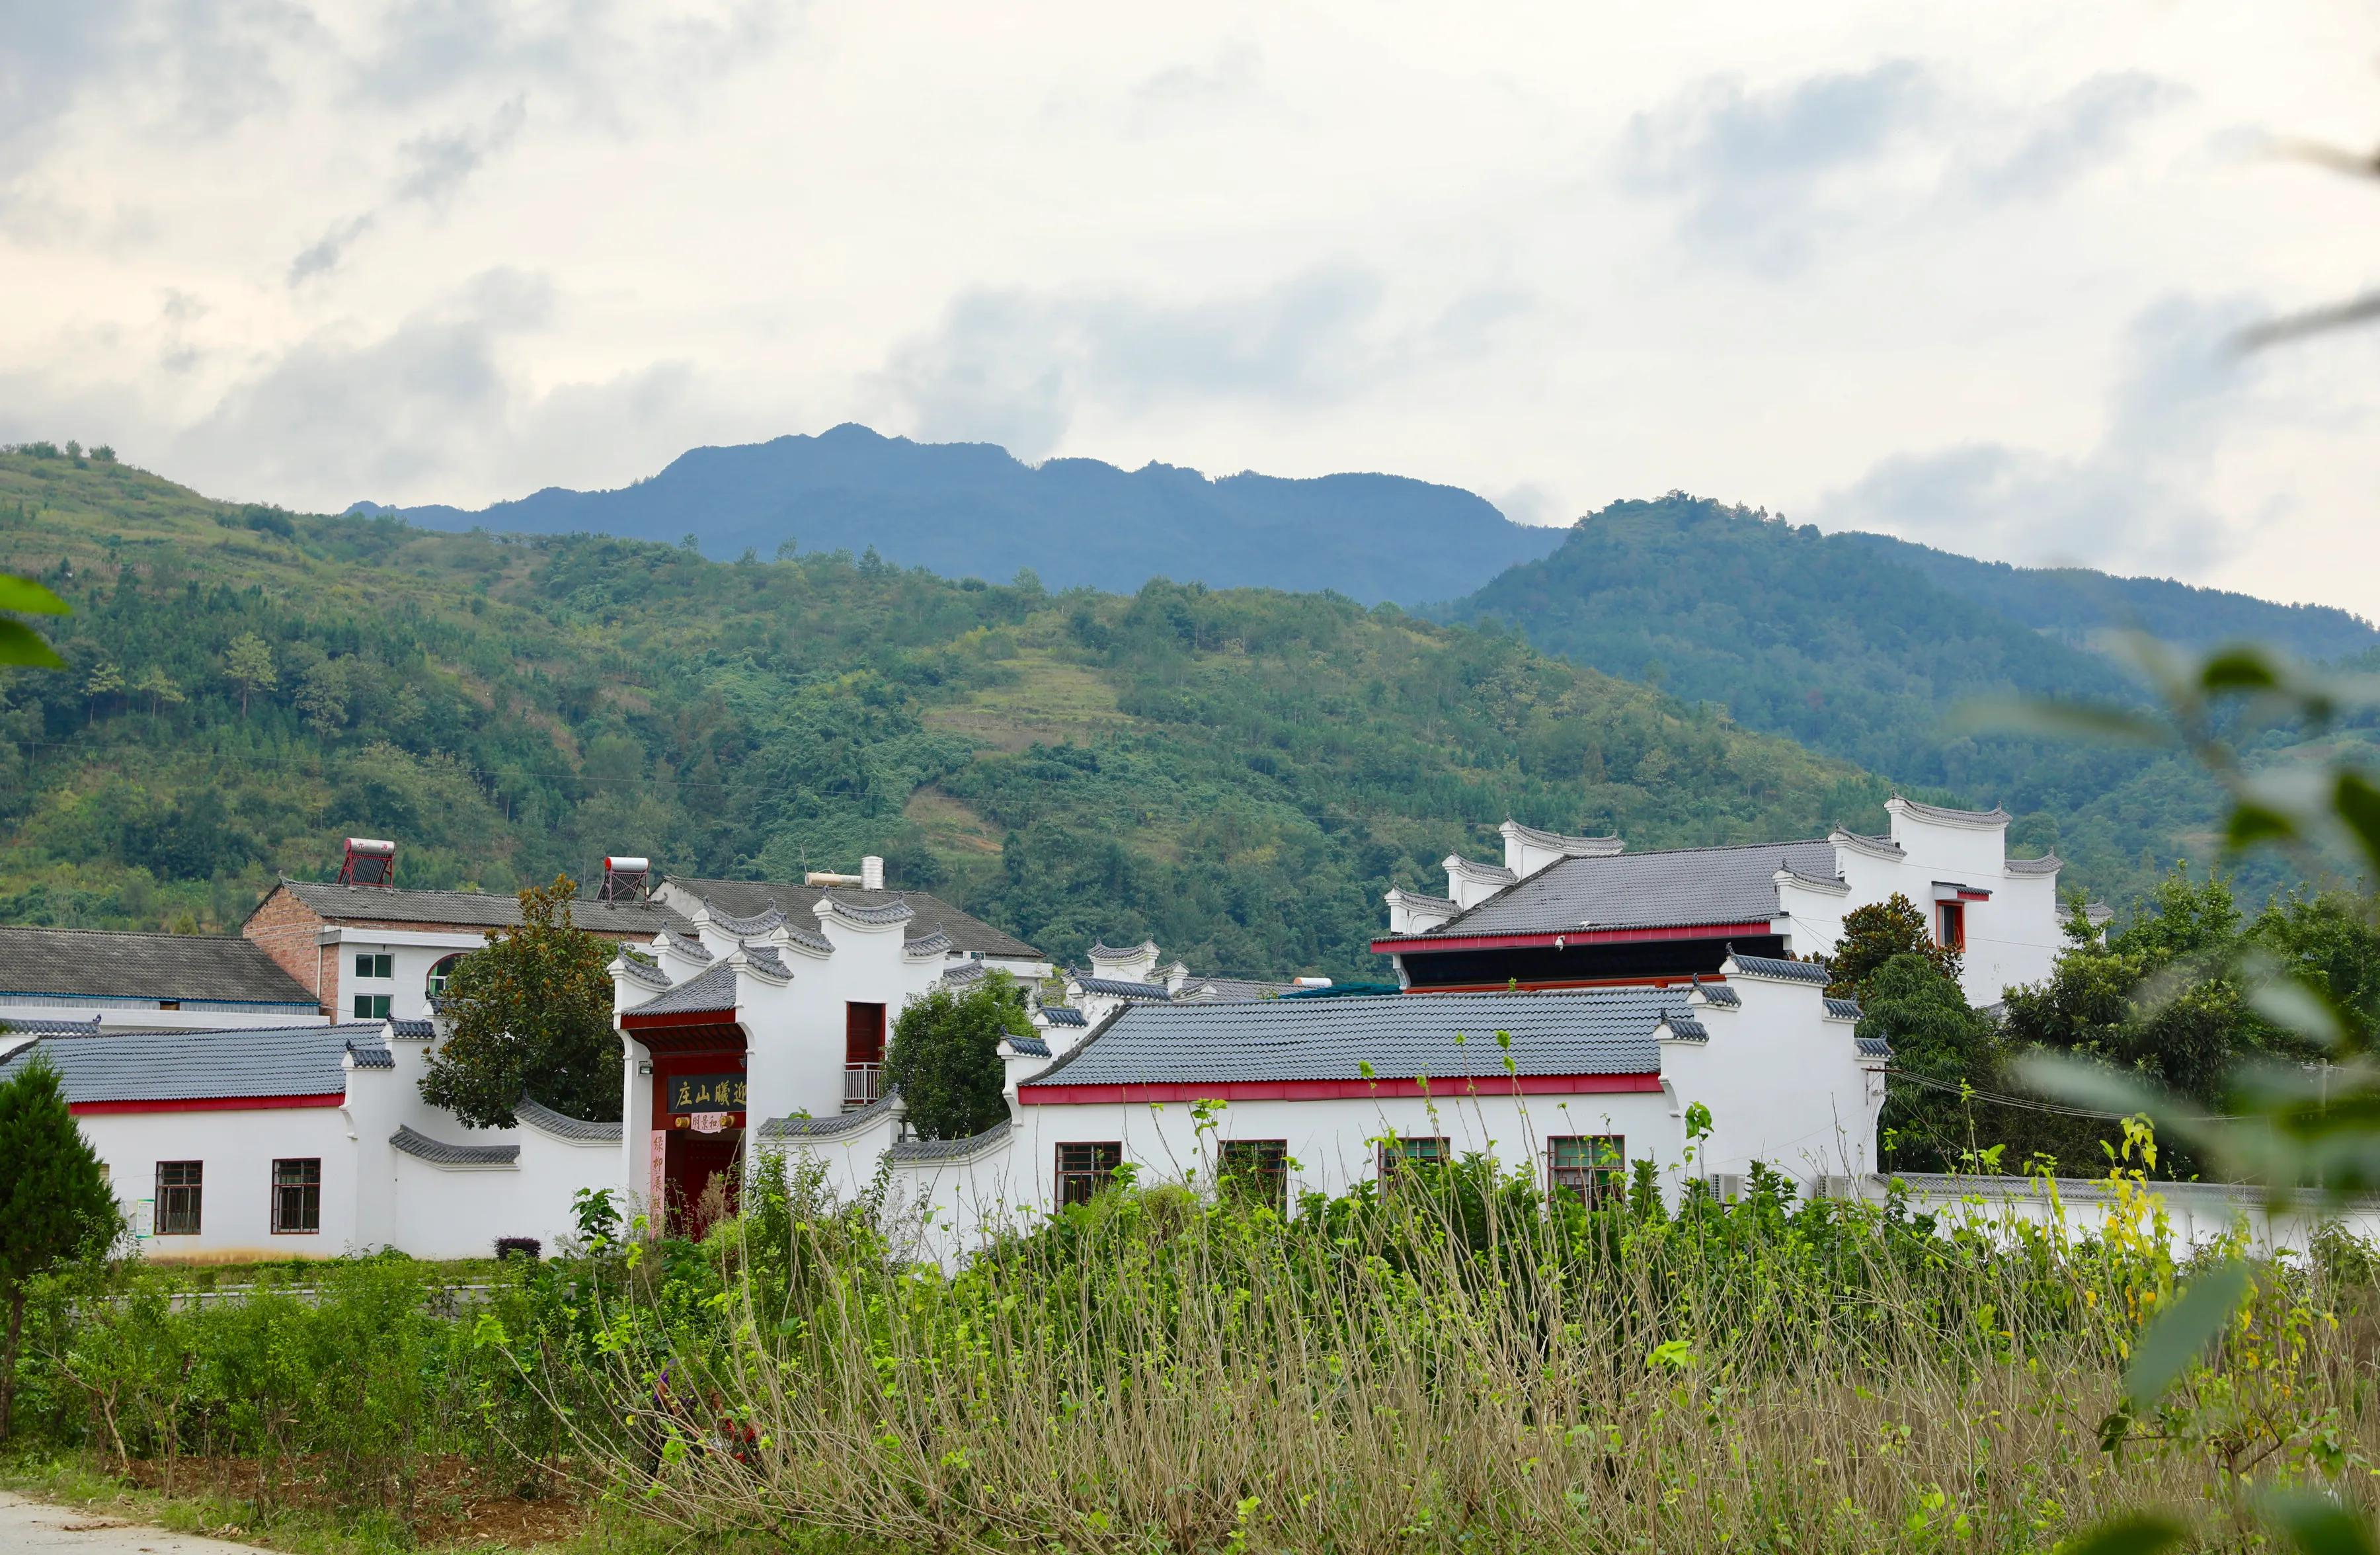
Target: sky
x=1974 y=276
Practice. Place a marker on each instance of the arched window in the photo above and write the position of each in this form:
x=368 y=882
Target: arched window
x=443 y=969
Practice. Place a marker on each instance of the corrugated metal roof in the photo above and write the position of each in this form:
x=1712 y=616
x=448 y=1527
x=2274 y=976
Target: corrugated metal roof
x=471 y=909
x=1680 y=887
x=751 y=898
x=1589 y=1031
x=202 y=1065
x=93 y=962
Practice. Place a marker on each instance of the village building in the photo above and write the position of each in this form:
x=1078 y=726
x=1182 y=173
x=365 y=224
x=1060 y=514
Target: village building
x=1574 y=912
x=55 y=978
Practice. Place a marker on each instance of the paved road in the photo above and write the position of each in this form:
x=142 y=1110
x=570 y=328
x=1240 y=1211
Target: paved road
x=36 y=1525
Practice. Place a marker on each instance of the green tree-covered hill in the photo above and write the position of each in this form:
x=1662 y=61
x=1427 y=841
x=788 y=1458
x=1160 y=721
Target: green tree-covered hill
x=1238 y=773
x=1865 y=648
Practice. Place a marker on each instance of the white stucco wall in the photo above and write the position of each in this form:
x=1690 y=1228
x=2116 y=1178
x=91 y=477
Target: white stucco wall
x=237 y=1149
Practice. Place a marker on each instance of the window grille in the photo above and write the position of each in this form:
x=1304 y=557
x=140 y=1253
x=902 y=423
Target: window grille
x=1084 y=1170
x=1257 y=1171
x=1420 y=1150
x=1589 y=1169
x=297 y=1196
x=180 y=1185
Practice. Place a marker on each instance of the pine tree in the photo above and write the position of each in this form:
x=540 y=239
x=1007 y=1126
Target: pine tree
x=104 y=680
x=162 y=689
x=248 y=662
x=53 y=1200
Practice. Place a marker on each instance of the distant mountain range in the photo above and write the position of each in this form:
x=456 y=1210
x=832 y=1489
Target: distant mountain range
x=1864 y=647
x=969 y=510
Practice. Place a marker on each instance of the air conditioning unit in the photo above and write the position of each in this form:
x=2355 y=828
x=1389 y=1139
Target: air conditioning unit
x=1838 y=1185
x=1727 y=1186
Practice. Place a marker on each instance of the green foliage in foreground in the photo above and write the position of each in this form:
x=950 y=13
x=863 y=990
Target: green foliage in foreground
x=54 y=1205
x=1452 y=1364
x=1240 y=774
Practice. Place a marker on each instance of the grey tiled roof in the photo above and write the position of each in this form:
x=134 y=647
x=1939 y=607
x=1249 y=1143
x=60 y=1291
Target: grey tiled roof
x=969 y=932
x=545 y=1119
x=834 y=1123
x=1842 y=1009
x=966 y=972
x=1773 y=967
x=1110 y=953
x=414 y=1030
x=1232 y=988
x=862 y=912
x=1582 y=848
x=2047 y=864
x=92 y=963
x=1979 y=819
x=1880 y=847
x=950 y=1149
x=1424 y=901
x=713 y=990
x=1031 y=1047
x=199 y=1065
x=1683 y=886
x=371 y=1054
x=438 y=1152
x=764 y=958
x=1874 y=1047
x=1473 y=869
x=471 y=909
x=929 y=946
x=1063 y=1014
x=1685 y=1027
x=1400 y=1037
x=740 y=928
x=809 y=938
x=1119 y=988
x=691 y=946
x=1719 y=993
x=642 y=971
x=10 y=1027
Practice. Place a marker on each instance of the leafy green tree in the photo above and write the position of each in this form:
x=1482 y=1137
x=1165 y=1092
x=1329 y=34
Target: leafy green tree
x=53 y=1200
x=248 y=662
x=1918 y=1007
x=944 y=1056
x=160 y=688
x=104 y=680
x=1875 y=933
x=322 y=697
x=20 y=644
x=532 y=1016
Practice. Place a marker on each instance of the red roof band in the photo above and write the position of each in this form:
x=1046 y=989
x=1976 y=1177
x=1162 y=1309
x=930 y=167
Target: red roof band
x=208 y=1104
x=1326 y=1090
x=1572 y=937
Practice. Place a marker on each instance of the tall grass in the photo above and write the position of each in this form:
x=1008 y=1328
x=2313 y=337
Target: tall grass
x=1450 y=1365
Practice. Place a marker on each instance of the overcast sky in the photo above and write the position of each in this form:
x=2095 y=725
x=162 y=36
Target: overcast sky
x=1964 y=273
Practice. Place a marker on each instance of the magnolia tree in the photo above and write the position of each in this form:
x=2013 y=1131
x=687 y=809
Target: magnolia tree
x=532 y=1016
x=944 y=1056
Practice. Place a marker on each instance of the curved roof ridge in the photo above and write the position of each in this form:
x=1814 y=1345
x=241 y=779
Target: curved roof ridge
x=748 y=928
x=927 y=946
x=1577 y=847
x=1472 y=869
x=874 y=917
x=1109 y=953
x=1879 y=847
x=833 y=1124
x=438 y=1152
x=2047 y=864
x=950 y=1149
x=1978 y=819
x=561 y=1126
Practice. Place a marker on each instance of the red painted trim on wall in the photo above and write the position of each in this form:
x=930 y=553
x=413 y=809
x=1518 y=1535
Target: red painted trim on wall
x=635 y=1022
x=1329 y=1090
x=1427 y=942
x=208 y=1104
x=1542 y=985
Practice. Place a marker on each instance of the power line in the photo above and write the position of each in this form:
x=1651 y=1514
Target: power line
x=2056 y=1108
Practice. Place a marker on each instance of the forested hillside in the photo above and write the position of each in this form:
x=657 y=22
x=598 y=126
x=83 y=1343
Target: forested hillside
x=969 y=510
x=1238 y=773
x=1865 y=648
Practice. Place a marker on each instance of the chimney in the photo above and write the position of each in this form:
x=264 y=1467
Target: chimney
x=369 y=861
x=624 y=878
x=871 y=873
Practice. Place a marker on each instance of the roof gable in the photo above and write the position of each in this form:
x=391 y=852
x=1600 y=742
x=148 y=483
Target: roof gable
x=1680 y=887
x=750 y=899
